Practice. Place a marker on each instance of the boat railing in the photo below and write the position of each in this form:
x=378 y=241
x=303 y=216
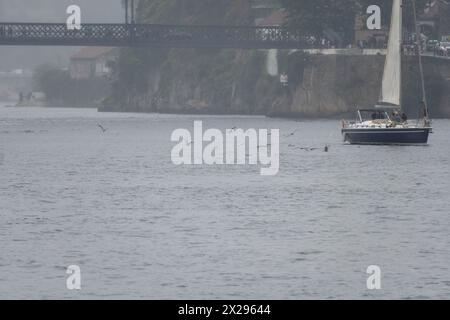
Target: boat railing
x=347 y=124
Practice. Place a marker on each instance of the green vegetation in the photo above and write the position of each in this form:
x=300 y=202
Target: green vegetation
x=317 y=16
x=50 y=80
x=61 y=89
x=152 y=79
x=231 y=81
x=218 y=81
x=204 y=12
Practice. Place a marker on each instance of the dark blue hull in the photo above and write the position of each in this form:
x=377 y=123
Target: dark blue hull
x=404 y=136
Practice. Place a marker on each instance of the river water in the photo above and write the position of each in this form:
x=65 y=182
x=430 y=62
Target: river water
x=139 y=227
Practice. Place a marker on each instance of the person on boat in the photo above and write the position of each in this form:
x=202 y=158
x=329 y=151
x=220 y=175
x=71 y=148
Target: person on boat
x=396 y=117
x=404 y=117
x=284 y=80
x=374 y=116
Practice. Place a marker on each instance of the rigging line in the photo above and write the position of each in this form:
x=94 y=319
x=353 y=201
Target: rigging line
x=419 y=54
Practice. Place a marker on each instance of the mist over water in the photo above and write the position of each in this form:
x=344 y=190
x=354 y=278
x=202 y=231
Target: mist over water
x=140 y=227
x=55 y=10
x=50 y=11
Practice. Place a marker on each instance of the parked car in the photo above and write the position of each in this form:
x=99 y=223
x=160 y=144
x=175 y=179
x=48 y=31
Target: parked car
x=445 y=48
x=432 y=44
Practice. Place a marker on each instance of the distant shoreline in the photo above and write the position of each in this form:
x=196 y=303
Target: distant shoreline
x=278 y=115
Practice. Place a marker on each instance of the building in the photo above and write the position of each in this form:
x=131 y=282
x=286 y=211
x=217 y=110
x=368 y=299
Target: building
x=369 y=38
x=263 y=8
x=435 y=21
x=92 y=62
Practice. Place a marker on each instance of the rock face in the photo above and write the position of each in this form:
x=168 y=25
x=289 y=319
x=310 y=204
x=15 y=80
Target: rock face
x=337 y=84
x=243 y=82
x=437 y=81
x=333 y=85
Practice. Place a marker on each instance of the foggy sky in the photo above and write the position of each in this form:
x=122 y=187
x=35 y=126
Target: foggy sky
x=50 y=11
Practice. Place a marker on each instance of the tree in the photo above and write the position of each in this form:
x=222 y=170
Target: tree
x=316 y=16
x=51 y=80
x=386 y=7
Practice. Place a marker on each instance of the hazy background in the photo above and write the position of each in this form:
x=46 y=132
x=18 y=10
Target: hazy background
x=50 y=11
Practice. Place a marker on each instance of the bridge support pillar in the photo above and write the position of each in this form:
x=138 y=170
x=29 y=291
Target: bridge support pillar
x=130 y=10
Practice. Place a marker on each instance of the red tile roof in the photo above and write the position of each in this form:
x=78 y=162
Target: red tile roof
x=91 y=52
x=276 y=19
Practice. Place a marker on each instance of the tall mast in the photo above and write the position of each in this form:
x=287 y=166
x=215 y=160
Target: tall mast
x=401 y=55
x=419 y=54
x=126 y=11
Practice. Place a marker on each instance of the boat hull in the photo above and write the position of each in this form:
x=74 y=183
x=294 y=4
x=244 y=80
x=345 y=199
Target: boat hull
x=387 y=136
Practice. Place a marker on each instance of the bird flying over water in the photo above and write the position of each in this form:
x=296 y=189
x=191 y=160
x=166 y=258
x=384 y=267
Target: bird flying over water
x=101 y=127
x=290 y=134
x=308 y=149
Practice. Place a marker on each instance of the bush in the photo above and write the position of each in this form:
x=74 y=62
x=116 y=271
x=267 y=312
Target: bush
x=60 y=88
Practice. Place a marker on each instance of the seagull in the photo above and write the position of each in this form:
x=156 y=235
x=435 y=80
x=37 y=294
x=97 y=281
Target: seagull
x=291 y=134
x=231 y=130
x=101 y=127
x=308 y=149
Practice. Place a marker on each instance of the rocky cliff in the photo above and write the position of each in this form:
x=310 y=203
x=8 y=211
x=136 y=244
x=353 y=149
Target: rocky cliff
x=333 y=85
x=243 y=82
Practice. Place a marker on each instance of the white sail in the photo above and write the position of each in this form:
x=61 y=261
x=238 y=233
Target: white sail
x=392 y=76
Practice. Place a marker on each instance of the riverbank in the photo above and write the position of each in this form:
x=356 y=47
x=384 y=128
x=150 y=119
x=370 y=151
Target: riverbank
x=247 y=82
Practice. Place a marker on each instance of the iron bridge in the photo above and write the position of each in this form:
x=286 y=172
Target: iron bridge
x=151 y=35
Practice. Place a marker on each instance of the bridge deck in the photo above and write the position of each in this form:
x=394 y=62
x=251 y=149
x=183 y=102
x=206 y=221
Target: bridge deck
x=120 y=35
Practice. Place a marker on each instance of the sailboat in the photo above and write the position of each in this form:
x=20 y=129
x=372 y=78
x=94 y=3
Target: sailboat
x=385 y=123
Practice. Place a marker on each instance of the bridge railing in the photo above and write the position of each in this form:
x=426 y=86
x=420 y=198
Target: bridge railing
x=152 y=35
